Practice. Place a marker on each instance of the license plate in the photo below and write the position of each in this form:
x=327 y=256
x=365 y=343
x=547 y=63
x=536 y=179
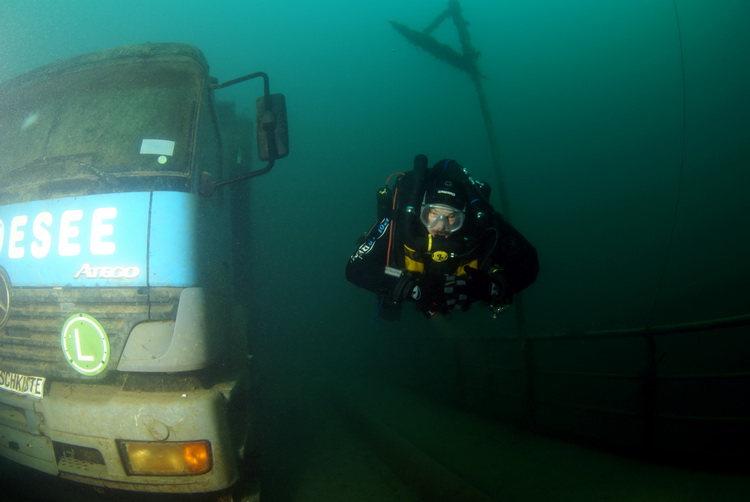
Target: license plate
x=22 y=384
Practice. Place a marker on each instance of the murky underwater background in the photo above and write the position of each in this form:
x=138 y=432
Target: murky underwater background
x=624 y=135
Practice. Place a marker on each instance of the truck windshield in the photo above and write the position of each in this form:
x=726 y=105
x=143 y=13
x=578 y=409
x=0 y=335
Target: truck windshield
x=108 y=127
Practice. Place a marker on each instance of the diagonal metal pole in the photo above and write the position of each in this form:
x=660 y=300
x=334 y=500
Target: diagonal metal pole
x=494 y=148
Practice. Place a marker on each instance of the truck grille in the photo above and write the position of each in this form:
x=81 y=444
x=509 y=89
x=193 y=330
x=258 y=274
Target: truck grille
x=30 y=341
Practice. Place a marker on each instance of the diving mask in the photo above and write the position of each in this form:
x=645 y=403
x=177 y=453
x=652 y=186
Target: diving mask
x=443 y=219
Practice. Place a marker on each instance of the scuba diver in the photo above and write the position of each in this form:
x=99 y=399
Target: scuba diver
x=440 y=244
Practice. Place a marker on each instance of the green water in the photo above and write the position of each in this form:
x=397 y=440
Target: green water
x=624 y=136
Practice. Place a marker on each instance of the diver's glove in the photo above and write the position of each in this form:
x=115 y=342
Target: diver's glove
x=407 y=287
x=487 y=286
x=425 y=291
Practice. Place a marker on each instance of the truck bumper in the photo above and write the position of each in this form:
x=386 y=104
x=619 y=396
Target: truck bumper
x=74 y=431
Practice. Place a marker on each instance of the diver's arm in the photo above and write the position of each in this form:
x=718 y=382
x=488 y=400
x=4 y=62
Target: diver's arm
x=513 y=256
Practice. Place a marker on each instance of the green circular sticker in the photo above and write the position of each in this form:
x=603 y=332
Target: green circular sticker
x=85 y=344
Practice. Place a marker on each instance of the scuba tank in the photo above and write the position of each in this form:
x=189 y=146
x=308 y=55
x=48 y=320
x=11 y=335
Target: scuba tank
x=402 y=202
x=407 y=206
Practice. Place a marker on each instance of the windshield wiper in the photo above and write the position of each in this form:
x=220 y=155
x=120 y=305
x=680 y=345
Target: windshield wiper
x=110 y=180
x=77 y=159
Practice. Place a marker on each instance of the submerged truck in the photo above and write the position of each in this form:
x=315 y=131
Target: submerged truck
x=124 y=359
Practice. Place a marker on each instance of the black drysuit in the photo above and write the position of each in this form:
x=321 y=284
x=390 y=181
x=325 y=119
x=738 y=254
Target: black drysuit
x=495 y=248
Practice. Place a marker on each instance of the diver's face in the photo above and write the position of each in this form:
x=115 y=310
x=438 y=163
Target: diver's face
x=440 y=221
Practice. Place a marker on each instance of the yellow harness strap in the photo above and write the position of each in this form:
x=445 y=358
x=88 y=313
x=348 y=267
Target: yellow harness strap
x=412 y=265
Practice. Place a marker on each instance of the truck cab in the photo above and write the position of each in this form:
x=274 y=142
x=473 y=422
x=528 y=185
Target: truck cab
x=124 y=357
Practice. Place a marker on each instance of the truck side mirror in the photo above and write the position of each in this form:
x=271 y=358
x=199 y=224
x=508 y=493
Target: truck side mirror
x=271 y=127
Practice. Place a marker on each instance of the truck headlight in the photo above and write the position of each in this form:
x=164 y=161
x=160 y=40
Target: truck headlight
x=166 y=458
